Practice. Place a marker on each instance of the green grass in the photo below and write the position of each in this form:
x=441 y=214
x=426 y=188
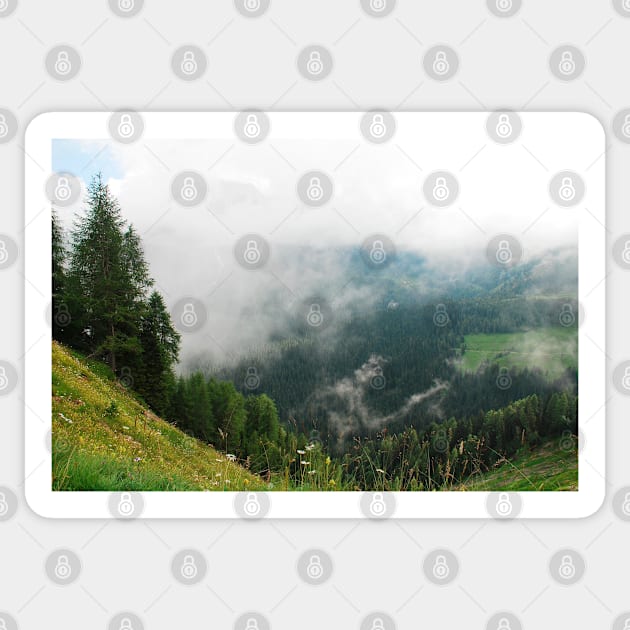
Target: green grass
x=548 y=468
x=104 y=438
x=550 y=349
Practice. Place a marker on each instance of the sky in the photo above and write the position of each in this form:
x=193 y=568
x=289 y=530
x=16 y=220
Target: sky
x=252 y=189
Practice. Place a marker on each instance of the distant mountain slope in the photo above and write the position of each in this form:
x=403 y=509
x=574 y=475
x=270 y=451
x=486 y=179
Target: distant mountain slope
x=105 y=439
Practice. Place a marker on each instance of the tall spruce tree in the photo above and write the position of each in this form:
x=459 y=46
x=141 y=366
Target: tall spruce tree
x=109 y=280
x=159 y=342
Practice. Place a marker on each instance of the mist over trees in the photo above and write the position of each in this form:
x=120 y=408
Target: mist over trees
x=428 y=425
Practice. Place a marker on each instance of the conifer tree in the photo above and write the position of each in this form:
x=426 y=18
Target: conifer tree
x=109 y=280
x=159 y=342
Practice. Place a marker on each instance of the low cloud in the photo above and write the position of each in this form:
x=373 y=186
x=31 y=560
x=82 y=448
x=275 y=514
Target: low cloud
x=350 y=393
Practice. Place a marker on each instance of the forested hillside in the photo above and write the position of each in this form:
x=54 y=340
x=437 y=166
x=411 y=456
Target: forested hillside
x=387 y=397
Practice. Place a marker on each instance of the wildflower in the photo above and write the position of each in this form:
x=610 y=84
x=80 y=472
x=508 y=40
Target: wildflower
x=332 y=483
x=328 y=460
x=380 y=470
x=217 y=474
x=311 y=472
x=246 y=482
x=137 y=459
x=231 y=458
x=301 y=452
x=305 y=463
x=309 y=447
x=125 y=428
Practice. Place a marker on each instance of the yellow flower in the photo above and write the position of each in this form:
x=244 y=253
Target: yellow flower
x=246 y=482
x=328 y=461
x=332 y=483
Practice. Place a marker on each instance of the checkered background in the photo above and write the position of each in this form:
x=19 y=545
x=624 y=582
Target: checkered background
x=506 y=54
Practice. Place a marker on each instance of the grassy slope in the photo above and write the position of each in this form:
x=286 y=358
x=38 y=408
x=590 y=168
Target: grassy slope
x=547 y=468
x=551 y=349
x=103 y=440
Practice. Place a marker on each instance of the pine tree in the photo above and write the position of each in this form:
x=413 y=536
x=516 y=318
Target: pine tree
x=160 y=350
x=109 y=280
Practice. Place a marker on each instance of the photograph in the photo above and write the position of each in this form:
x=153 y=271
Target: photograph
x=226 y=317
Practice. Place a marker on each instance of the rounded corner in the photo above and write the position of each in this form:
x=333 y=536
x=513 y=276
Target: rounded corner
x=596 y=123
x=35 y=123
x=31 y=502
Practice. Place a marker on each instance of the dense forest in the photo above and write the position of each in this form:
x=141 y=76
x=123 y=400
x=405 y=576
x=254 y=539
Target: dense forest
x=386 y=408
